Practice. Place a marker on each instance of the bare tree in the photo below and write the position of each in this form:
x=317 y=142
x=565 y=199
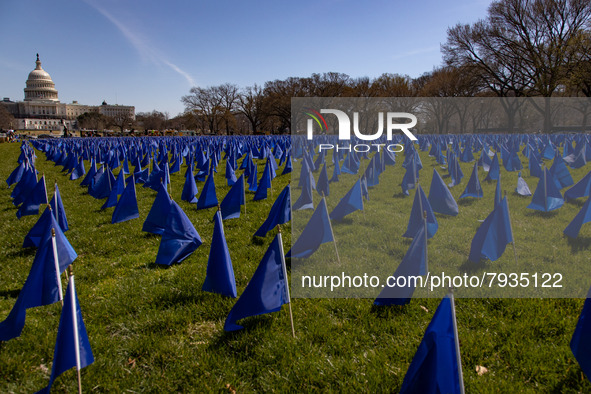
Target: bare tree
x=523 y=47
x=228 y=97
x=92 y=121
x=205 y=103
x=154 y=120
x=6 y=119
x=251 y=103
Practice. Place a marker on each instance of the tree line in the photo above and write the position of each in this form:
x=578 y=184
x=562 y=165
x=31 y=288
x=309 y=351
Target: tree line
x=521 y=48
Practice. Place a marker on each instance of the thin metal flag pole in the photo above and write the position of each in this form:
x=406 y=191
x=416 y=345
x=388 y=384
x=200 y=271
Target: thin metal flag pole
x=426 y=237
x=457 y=341
x=57 y=266
x=75 y=324
x=244 y=192
x=168 y=177
x=361 y=188
x=511 y=228
x=133 y=180
x=286 y=281
x=44 y=187
x=55 y=199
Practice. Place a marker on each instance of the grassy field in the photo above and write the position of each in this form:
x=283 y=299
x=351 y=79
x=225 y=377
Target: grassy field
x=152 y=329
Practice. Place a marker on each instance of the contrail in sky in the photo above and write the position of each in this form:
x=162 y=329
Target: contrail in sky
x=142 y=45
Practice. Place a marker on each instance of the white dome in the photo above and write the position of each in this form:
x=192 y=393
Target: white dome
x=40 y=86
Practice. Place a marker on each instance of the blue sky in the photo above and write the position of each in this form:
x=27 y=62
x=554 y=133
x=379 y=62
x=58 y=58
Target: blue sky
x=150 y=53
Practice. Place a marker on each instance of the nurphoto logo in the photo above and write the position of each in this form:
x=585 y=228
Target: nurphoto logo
x=392 y=120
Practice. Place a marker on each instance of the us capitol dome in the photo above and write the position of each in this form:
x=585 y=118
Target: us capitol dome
x=42 y=110
x=40 y=86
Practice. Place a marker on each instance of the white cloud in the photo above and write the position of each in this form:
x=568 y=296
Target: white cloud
x=142 y=45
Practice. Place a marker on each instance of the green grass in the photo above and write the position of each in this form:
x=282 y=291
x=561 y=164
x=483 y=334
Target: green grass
x=153 y=329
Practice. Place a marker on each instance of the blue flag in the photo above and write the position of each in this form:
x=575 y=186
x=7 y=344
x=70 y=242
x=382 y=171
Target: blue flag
x=410 y=179
x=547 y=197
x=498 y=192
x=317 y=231
x=581 y=189
x=350 y=165
x=584 y=216
x=78 y=171
x=234 y=199
x=116 y=191
x=473 y=188
x=179 y=239
x=560 y=173
x=580 y=343
x=230 y=173
x=522 y=189
x=440 y=197
x=16 y=174
x=58 y=209
x=36 y=197
x=190 y=188
x=72 y=347
x=89 y=175
x=208 y=197
x=41 y=286
x=494 y=171
x=351 y=202
x=534 y=165
x=335 y=172
x=267 y=290
x=415 y=222
x=305 y=201
x=126 y=208
x=39 y=229
x=220 y=273
x=24 y=187
x=100 y=186
x=264 y=183
x=579 y=160
x=484 y=160
x=288 y=167
x=280 y=212
x=493 y=235
x=252 y=179
x=322 y=186
x=413 y=264
x=435 y=367
x=156 y=219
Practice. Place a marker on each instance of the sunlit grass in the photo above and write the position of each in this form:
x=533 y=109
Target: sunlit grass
x=153 y=329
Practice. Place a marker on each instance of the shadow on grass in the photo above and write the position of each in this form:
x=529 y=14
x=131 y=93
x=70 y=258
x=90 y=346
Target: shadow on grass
x=151 y=235
x=541 y=214
x=257 y=240
x=9 y=294
x=153 y=266
x=387 y=311
x=400 y=195
x=444 y=217
x=577 y=202
x=469 y=267
x=26 y=252
x=578 y=244
x=262 y=322
x=467 y=201
x=344 y=221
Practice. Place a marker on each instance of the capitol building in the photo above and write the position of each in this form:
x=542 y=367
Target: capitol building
x=42 y=110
